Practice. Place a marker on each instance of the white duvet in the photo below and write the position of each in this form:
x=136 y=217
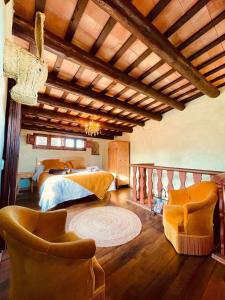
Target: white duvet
x=57 y=189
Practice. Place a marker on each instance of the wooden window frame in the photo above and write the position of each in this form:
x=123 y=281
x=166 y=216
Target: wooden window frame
x=49 y=147
x=40 y=146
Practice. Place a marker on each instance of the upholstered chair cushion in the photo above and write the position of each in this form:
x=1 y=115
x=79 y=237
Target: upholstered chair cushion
x=188 y=218
x=46 y=261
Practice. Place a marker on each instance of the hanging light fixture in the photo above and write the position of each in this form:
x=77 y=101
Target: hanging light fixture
x=92 y=128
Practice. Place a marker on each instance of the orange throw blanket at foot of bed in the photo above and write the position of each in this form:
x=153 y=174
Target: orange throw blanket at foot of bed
x=97 y=183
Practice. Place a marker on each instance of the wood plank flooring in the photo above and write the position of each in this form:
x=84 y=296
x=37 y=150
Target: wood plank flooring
x=147 y=267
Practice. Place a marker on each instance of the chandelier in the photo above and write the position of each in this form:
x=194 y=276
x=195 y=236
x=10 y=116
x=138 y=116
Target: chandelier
x=92 y=128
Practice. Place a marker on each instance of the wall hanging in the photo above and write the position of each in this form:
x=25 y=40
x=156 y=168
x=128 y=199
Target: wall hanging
x=94 y=147
x=29 y=71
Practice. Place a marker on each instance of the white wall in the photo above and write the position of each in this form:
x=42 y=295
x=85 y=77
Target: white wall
x=192 y=138
x=5 y=31
x=29 y=157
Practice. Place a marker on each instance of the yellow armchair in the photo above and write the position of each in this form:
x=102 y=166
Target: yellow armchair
x=188 y=218
x=46 y=261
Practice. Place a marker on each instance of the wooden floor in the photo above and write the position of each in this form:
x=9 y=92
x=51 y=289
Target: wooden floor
x=147 y=267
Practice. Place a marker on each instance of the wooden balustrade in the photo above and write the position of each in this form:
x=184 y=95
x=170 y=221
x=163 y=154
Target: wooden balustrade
x=143 y=185
x=146 y=176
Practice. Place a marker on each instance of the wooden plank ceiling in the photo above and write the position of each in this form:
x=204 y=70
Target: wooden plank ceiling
x=122 y=63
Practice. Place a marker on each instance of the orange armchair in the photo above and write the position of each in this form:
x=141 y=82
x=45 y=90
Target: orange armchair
x=188 y=218
x=46 y=261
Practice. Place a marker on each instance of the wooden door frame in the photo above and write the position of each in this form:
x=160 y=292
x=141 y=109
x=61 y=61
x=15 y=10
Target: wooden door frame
x=10 y=152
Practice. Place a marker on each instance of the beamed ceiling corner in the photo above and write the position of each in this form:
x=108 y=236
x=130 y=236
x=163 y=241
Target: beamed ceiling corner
x=121 y=63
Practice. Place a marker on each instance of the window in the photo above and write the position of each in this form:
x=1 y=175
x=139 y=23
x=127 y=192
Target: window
x=41 y=140
x=59 y=142
x=69 y=143
x=80 y=144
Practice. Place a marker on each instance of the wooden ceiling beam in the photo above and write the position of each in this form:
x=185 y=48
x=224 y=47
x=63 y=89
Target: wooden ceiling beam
x=202 y=31
x=165 y=75
x=57 y=65
x=151 y=70
x=186 y=93
x=56 y=102
x=63 y=132
x=157 y=9
x=87 y=92
x=33 y=121
x=145 y=54
x=211 y=60
x=123 y=49
x=200 y=52
x=199 y=67
x=103 y=35
x=186 y=17
x=111 y=23
x=205 y=74
x=207 y=47
x=125 y=13
x=151 y=16
x=77 y=14
x=25 y=30
x=51 y=114
x=171 y=83
x=218 y=78
x=179 y=88
x=219 y=68
x=193 y=10
x=193 y=97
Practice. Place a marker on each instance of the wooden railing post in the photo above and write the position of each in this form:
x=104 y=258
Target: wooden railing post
x=150 y=187
x=197 y=177
x=145 y=184
x=139 y=183
x=182 y=176
x=159 y=183
x=142 y=184
x=170 y=180
x=134 y=183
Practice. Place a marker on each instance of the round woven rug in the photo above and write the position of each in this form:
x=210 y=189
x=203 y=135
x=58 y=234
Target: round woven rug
x=108 y=226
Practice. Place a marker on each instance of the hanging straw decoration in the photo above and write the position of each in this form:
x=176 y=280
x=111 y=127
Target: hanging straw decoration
x=29 y=71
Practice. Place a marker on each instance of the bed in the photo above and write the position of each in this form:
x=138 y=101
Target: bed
x=56 y=189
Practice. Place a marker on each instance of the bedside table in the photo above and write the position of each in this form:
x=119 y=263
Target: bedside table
x=24 y=175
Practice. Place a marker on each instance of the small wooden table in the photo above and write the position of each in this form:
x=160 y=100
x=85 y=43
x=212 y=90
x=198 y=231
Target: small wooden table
x=24 y=175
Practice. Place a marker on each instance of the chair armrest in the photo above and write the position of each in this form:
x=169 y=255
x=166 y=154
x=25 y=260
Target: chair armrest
x=178 y=197
x=195 y=206
x=199 y=216
x=80 y=249
x=51 y=224
x=174 y=214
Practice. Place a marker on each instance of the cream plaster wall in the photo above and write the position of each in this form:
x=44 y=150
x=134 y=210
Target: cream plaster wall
x=29 y=157
x=193 y=138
